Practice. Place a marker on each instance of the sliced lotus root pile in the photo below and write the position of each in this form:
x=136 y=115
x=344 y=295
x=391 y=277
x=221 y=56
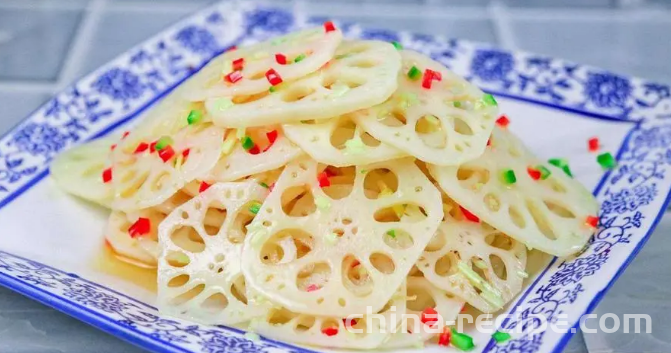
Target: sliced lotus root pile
x=362 y=74
x=333 y=241
x=474 y=261
x=511 y=189
x=334 y=332
x=81 y=171
x=339 y=142
x=424 y=298
x=133 y=236
x=244 y=71
x=136 y=239
x=207 y=233
x=446 y=124
x=147 y=171
x=258 y=150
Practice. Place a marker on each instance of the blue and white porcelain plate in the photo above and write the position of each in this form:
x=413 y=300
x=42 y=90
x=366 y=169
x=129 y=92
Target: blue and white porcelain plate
x=49 y=240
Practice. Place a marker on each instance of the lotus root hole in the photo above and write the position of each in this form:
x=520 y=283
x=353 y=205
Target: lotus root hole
x=188 y=238
x=188 y=295
x=541 y=220
x=398 y=239
x=409 y=213
x=342 y=133
x=341 y=181
x=369 y=140
x=516 y=217
x=559 y=210
x=178 y=259
x=383 y=263
x=498 y=267
x=446 y=265
x=431 y=131
x=213 y=220
x=215 y=303
x=280 y=316
x=380 y=182
x=298 y=201
x=423 y=299
x=356 y=277
x=238 y=290
x=179 y=281
x=304 y=323
x=500 y=241
x=395 y=118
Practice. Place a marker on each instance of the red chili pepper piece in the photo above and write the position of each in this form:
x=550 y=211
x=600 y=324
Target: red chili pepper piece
x=186 y=152
x=273 y=77
x=429 y=77
x=592 y=221
x=281 y=59
x=355 y=263
x=107 y=175
x=166 y=153
x=141 y=227
x=233 y=77
x=312 y=288
x=330 y=331
x=444 y=338
x=235 y=47
x=152 y=146
x=203 y=186
x=429 y=316
x=323 y=179
x=113 y=147
x=503 y=121
x=489 y=141
x=469 y=216
x=125 y=134
x=254 y=150
x=351 y=323
x=238 y=64
x=143 y=146
x=329 y=26
x=426 y=81
x=272 y=136
x=535 y=174
x=593 y=144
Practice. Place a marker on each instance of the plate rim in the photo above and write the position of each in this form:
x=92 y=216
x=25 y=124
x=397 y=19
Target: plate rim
x=599 y=109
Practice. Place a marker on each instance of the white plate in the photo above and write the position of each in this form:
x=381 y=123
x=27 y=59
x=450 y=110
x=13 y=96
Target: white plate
x=49 y=241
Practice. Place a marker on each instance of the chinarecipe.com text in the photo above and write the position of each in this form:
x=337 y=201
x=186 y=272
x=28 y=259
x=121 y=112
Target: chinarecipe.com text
x=391 y=321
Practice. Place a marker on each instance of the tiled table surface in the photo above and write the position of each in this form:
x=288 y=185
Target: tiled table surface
x=44 y=45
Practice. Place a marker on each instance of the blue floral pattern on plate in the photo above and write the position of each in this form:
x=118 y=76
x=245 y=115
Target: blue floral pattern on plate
x=632 y=195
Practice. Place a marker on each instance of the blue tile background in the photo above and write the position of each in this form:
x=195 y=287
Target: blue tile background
x=627 y=36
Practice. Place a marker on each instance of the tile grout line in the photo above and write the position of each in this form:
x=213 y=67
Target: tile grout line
x=498 y=13
x=80 y=44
